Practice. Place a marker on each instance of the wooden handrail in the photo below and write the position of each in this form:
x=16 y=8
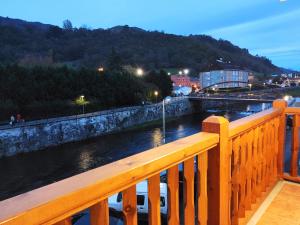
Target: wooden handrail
x=292 y=110
x=243 y=125
x=58 y=201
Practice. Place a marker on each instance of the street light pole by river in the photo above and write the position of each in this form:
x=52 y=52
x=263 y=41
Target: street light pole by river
x=164 y=118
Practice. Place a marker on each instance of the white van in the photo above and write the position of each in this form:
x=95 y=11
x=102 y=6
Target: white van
x=115 y=201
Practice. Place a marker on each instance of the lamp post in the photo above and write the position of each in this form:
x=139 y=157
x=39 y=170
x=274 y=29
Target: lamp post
x=82 y=100
x=164 y=118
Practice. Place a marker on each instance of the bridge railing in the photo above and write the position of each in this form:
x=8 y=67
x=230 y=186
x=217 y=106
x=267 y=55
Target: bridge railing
x=237 y=163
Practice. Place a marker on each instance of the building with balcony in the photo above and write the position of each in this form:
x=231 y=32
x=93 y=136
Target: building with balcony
x=224 y=78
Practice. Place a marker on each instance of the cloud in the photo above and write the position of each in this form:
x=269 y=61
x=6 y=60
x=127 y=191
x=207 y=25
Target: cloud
x=277 y=37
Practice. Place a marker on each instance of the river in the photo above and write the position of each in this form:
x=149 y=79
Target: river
x=28 y=171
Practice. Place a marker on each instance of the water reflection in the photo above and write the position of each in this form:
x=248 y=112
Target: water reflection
x=85 y=160
x=157 y=137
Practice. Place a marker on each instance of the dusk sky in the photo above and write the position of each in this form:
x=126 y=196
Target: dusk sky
x=266 y=27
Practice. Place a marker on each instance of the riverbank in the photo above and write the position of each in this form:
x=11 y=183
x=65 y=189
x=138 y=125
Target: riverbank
x=37 y=135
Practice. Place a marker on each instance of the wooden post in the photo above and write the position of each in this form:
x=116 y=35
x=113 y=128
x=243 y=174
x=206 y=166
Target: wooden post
x=219 y=162
x=281 y=104
x=295 y=146
x=100 y=213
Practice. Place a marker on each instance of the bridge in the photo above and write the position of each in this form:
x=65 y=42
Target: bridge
x=230 y=170
x=224 y=82
x=242 y=99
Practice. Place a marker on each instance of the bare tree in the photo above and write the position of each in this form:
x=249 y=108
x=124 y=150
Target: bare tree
x=67 y=25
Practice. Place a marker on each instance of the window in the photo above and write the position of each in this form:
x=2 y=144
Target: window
x=119 y=197
x=162 y=201
x=140 y=199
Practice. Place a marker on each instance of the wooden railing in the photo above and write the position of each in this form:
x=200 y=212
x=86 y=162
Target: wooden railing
x=237 y=163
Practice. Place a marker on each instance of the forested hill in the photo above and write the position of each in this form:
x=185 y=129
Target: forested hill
x=29 y=43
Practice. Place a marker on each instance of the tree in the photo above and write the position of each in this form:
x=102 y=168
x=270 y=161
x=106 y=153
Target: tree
x=67 y=25
x=161 y=80
x=114 y=61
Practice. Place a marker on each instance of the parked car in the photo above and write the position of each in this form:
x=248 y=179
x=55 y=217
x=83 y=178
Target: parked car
x=115 y=202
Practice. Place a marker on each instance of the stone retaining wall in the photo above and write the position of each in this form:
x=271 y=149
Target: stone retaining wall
x=36 y=135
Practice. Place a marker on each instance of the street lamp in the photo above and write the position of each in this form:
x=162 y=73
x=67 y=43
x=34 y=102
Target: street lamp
x=186 y=71
x=139 y=72
x=82 y=102
x=250 y=86
x=101 y=69
x=156 y=94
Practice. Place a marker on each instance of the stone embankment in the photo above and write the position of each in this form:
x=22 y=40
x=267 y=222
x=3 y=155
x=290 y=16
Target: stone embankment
x=40 y=134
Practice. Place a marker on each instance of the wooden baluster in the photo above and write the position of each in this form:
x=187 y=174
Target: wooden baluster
x=295 y=146
x=259 y=161
x=100 y=213
x=230 y=171
x=129 y=206
x=242 y=206
x=254 y=166
x=154 y=200
x=67 y=221
x=267 y=154
x=264 y=146
x=173 y=196
x=218 y=172
x=249 y=169
x=281 y=104
x=276 y=146
x=202 y=188
x=235 y=180
x=188 y=192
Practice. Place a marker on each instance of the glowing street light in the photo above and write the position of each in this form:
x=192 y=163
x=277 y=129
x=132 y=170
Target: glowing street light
x=286 y=98
x=250 y=86
x=156 y=94
x=139 y=72
x=81 y=101
x=180 y=72
x=186 y=71
x=101 y=69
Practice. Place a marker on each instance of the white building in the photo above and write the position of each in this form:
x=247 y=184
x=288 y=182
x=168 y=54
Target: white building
x=224 y=78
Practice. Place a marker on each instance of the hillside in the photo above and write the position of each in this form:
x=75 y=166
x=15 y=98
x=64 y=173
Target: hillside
x=28 y=43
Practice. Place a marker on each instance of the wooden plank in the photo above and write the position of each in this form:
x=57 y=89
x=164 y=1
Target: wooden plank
x=173 y=196
x=295 y=147
x=154 y=200
x=235 y=181
x=67 y=221
x=242 y=197
x=188 y=192
x=254 y=166
x=218 y=172
x=245 y=124
x=129 y=206
x=249 y=168
x=100 y=213
x=202 y=188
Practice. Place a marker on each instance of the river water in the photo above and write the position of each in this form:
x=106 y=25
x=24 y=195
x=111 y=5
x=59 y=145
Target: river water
x=28 y=171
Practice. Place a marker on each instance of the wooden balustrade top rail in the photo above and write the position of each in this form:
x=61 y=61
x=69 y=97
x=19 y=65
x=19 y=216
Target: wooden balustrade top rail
x=243 y=125
x=57 y=201
x=292 y=110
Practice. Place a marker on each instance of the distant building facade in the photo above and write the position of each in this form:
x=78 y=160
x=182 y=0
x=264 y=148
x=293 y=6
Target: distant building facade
x=211 y=78
x=184 y=81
